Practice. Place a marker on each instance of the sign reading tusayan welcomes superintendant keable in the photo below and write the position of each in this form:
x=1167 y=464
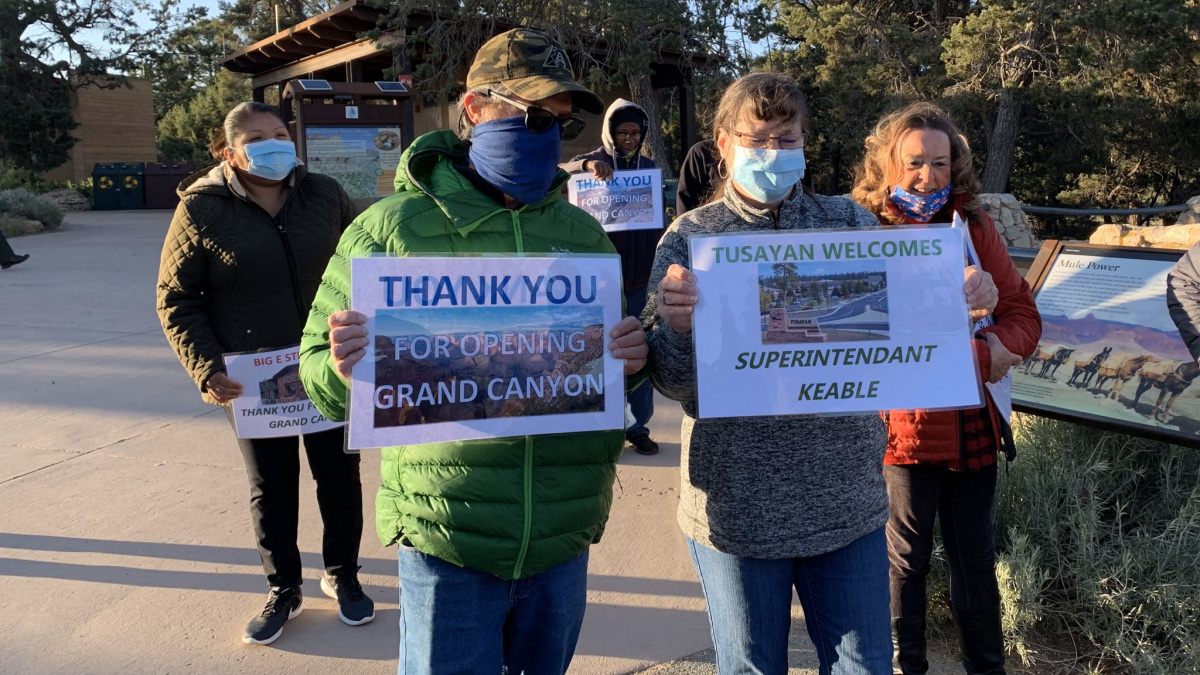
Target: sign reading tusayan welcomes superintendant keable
x=844 y=321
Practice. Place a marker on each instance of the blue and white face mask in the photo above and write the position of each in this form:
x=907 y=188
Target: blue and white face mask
x=767 y=175
x=272 y=159
x=920 y=208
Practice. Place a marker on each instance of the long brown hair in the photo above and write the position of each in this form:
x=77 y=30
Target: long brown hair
x=763 y=96
x=875 y=177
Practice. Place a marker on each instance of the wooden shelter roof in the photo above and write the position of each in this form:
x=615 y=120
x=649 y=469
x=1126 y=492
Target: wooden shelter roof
x=332 y=38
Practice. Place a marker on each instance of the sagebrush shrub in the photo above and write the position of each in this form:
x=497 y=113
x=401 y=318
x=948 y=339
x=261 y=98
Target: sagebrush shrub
x=25 y=204
x=1100 y=549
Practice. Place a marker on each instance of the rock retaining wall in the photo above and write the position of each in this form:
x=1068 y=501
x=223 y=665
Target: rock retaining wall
x=1011 y=221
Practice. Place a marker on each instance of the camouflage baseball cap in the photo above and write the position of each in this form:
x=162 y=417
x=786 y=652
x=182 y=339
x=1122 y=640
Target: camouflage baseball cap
x=532 y=65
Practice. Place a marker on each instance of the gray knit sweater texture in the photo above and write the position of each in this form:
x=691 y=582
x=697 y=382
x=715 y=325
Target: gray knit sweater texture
x=773 y=486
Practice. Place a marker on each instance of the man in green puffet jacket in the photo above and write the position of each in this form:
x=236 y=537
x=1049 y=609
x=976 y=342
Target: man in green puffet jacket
x=492 y=534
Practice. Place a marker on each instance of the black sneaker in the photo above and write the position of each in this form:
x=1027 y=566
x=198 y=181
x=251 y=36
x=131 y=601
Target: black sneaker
x=354 y=607
x=283 y=603
x=643 y=444
x=15 y=260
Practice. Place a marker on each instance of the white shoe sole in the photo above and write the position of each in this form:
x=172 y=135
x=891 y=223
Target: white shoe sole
x=328 y=591
x=291 y=615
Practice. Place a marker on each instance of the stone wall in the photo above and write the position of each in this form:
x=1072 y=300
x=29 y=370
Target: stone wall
x=1184 y=234
x=1010 y=220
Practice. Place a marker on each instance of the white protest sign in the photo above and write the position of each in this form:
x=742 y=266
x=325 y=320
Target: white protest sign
x=475 y=347
x=844 y=321
x=273 y=401
x=630 y=200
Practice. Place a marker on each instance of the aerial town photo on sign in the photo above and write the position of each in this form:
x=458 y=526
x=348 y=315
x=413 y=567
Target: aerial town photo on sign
x=825 y=301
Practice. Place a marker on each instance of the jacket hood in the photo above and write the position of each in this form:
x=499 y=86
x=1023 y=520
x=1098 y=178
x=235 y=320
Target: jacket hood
x=607 y=137
x=427 y=167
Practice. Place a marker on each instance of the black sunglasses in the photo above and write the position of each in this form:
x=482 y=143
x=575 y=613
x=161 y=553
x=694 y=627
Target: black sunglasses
x=539 y=120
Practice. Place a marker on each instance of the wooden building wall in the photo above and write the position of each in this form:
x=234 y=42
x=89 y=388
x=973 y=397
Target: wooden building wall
x=115 y=125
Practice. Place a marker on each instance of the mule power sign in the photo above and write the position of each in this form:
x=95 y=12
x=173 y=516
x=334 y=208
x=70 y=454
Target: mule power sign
x=1109 y=354
x=832 y=322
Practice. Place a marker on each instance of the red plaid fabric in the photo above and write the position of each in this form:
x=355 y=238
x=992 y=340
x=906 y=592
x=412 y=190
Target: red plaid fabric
x=977 y=441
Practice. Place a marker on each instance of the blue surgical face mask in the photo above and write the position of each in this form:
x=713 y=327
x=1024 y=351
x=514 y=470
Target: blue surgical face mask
x=520 y=163
x=272 y=159
x=918 y=207
x=767 y=175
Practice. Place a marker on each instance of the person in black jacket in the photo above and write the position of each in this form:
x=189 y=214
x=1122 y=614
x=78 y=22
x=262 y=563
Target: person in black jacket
x=698 y=175
x=240 y=265
x=621 y=139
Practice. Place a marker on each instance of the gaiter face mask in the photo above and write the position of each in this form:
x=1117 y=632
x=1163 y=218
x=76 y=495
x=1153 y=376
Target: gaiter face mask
x=519 y=162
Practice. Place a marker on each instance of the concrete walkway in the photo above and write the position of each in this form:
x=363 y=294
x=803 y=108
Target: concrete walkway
x=125 y=542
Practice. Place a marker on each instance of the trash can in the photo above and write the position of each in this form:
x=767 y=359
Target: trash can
x=117 y=187
x=161 y=181
x=670 y=187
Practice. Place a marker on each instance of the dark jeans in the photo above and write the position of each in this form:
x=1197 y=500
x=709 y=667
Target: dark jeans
x=964 y=502
x=641 y=400
x=6 y=252
x=273 y=465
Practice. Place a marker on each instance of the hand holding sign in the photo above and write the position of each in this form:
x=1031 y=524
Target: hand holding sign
x=347 y=340
x=1002 y=359
x=601 y=170
x=981 y=292
x=677 y=298
x=222 y=388
x=629 y=344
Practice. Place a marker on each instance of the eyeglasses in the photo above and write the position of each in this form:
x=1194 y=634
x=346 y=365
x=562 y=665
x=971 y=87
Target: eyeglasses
x=761 y=142
x=629 y=135
x=539 y=120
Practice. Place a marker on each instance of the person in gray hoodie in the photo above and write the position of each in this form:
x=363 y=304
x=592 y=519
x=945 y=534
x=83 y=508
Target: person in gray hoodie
x=621 y=138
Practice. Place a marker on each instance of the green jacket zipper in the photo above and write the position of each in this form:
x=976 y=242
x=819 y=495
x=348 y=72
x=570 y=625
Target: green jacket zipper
x=528 y=477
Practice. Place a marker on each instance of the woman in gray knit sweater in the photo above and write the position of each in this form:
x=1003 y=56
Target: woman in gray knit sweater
x=769 y=504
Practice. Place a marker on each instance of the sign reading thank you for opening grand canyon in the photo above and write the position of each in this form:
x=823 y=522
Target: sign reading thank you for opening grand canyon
x=476 y=347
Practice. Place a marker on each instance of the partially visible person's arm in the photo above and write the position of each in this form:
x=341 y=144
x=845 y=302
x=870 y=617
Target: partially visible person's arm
x=319 y=371
x=672 y=354
x=181 y=303
x=1183 y=299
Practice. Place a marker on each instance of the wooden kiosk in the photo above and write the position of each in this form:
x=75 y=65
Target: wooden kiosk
x=353 y=132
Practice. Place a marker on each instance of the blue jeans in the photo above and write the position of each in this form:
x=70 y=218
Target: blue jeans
x=459 y=620
x=844 y=594
x=641 y=400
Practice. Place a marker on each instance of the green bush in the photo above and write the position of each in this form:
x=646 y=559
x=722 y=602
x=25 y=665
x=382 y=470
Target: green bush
x=13 y=177
x=83 y=187
x=1099 y=551
x=25 y=204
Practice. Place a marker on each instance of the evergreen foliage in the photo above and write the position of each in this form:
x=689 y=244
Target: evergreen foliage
x=1072 y=104
x=46 y=54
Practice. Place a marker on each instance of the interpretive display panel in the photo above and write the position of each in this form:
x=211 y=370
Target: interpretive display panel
x=844 y=321
x=362 y=159
x=1109 y=354
x=475 y=347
